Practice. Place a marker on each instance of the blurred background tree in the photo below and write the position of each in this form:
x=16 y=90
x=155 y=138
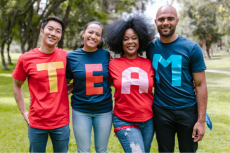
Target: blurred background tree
x=206 y=22
x=21 y=19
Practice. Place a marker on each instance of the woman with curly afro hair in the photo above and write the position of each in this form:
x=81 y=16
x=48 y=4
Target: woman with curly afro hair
x=133 y=79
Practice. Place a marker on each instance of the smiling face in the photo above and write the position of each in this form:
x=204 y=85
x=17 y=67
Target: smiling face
x=51 y=34
x=166 y=21
x=130 y=43
x=92 y=37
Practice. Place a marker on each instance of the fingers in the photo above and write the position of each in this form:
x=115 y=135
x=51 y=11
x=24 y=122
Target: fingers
x=194 y=87
x=198 y=137
x=198 y=132
x=70 y=88
x=194 y=133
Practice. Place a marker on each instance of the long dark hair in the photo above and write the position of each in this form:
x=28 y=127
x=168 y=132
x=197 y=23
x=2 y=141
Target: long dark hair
x=102 y=42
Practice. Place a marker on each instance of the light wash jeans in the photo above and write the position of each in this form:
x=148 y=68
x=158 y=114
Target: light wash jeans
x=59 y=137
x=82 y=127
x=135 y=140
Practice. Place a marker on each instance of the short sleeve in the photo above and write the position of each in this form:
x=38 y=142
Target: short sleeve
x=69 y=74
x=19 y=72
x=197 y=63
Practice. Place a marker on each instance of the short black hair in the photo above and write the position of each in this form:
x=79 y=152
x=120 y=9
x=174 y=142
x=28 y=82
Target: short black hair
x=115 y=32
x=102 y=42
x=54 y=18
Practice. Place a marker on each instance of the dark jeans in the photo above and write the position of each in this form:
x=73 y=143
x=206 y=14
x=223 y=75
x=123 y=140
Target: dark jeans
x=59 y=137
x=169 y=122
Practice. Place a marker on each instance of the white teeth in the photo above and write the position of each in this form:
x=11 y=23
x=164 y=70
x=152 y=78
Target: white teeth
x=52 y=38
x=92 y=41
x=130 y=47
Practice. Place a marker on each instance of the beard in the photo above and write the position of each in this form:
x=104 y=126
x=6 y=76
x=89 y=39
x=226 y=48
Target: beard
x=168 y=34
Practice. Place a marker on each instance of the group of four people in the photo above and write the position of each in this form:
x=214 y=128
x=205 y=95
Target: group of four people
x=173 y=63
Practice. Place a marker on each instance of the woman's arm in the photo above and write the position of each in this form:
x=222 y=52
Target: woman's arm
x=69 y=86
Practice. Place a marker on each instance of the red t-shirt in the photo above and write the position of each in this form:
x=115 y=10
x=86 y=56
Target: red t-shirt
x=49 y=107
x=133 y=83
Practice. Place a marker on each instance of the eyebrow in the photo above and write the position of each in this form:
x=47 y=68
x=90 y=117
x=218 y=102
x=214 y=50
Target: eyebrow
x=94 y=31
x=57 y=28
x=166 y=17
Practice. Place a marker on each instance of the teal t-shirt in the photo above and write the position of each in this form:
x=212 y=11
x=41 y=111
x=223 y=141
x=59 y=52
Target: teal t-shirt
x=174 y=64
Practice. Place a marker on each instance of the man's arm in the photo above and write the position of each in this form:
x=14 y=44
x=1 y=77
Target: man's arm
x=201 y=95
x=18 y=95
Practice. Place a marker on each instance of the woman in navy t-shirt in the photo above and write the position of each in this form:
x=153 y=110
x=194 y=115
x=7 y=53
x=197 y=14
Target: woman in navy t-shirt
x=91 y=100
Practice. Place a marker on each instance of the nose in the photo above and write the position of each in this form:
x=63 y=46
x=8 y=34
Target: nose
x=130 y=41
x=166 y=22
x=93 y=35
x=53 y=32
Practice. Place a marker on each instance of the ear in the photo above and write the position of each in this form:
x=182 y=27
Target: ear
x=41 y=31
x=177 y=20
x=83 y=34
x=155 y=21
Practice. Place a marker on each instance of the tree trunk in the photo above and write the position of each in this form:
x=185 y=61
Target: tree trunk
x=65 y=20
x=4 y=65
x=23 y=47
x=38 y=5
x=208 y=50
x=8 y=51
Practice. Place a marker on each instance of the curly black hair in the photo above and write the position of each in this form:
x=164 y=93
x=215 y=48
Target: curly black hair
x=115 y=32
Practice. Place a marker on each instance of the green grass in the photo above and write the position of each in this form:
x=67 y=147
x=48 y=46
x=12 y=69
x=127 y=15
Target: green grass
x=222 y=64
x=13 y=129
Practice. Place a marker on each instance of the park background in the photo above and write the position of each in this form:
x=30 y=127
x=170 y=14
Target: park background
x=205 y=21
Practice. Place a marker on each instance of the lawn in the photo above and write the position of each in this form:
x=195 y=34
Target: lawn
x=13 y=130
x=222 y=64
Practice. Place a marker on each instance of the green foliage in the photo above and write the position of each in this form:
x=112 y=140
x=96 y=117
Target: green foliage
x=205 y=21
x=202 y=19
x=90 y=10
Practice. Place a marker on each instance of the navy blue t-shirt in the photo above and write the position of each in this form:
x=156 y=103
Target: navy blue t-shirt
x=91 y=93
x=174 y=64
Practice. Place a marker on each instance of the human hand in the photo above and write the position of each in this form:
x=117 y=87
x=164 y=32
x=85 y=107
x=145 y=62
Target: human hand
x=198 y=131
x=26 y=117
x=70 y=88
x=194 y=86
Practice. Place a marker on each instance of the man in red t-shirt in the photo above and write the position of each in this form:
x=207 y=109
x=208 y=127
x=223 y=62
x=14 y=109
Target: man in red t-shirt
x=45 y=67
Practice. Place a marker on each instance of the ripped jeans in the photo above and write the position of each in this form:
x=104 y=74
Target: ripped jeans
x=134 y=140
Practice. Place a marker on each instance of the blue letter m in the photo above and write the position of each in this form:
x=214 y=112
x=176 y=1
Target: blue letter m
x=176 y=61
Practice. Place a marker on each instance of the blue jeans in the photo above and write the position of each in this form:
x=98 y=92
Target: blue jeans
x=59 y=137
x=82 y=127
x=134 y=139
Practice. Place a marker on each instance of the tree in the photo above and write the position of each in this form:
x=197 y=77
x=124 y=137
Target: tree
x=202 y=21
x=30 y=23
x=10 y=11
x=81 y=13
